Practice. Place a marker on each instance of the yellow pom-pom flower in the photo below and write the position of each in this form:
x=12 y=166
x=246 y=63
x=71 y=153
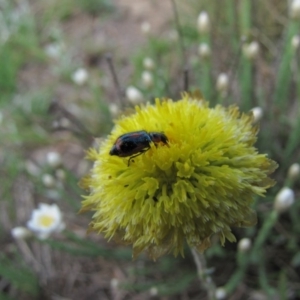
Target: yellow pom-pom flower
x=198 y=185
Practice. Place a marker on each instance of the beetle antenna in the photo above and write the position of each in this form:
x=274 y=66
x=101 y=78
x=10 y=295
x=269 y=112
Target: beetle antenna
x=115 y=77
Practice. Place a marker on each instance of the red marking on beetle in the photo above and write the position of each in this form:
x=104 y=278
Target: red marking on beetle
x=136 y=143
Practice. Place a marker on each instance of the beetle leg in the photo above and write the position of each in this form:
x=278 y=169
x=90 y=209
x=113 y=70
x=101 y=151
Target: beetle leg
x=133 y=156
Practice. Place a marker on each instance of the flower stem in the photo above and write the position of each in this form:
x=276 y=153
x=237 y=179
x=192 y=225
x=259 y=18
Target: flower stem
x=203 y=275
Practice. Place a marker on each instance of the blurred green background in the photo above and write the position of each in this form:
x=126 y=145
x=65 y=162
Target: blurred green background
x=58 y=93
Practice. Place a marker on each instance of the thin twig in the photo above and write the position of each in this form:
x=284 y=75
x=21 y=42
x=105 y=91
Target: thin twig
x=115 y=78
x=56 y=107
x=203 y=275
x=29 y=257
x=186 y=79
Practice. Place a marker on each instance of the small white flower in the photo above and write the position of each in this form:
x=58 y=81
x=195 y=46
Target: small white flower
x=220 y=293
x=203 y=22
x=204 y=50
x=251 y=50
x=54 y=159
x=148 y=63
x=294 y=171
x=222 y=83
x=80 y=76
x=145 y=28
x=133 y=95
x=48 y=180
x=284 y=200
x=244 y=245
x=295 y=9
x=295 y=42
x=20 y=233
x=257 y=114
x=147 y=79
x=46 y=220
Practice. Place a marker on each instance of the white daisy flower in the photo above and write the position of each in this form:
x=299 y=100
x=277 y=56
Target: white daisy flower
x=46 y=220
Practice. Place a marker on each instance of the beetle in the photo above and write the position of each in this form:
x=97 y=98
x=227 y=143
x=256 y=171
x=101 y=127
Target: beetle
x=136 y=143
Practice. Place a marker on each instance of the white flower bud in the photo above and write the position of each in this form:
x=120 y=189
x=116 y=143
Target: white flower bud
x=222 y=83
x=20 y=233
x=251 y=50
x=48 y=180
x=64 y=122
x=244 y=245
x=204 y=51
x=203 y=22
x=147 y=79
x=153 y=291
x=220 y=293
x=114 y=109
x=80 y=76
x=54 y=159
x=134 y=95
x=148 y=63
x=114 y=283
x=145 y=28
x=32 y=168
x=295 y=9
x=295 y=42
x=284 y=199
x=294 y=171
x=257 y=114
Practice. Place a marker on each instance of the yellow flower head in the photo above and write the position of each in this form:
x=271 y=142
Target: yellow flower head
x=200 y=184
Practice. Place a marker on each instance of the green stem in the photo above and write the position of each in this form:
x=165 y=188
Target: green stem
x=292 y=143
x=263 y=280
x=284 y=73
x=246 y=64
x=263 y=235
x=203 y=275
x=206 y=67
x=239 y=274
